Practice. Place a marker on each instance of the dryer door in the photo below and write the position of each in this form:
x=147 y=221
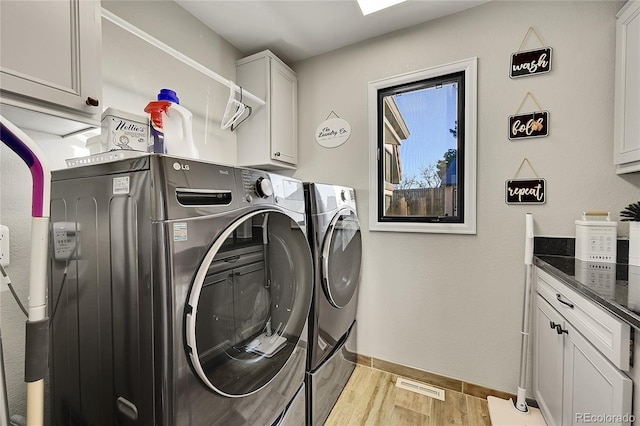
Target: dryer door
x=249 y=303
x=341 y=258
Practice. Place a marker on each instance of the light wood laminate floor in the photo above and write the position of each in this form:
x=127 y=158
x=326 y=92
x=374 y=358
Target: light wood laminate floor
x=372 y=398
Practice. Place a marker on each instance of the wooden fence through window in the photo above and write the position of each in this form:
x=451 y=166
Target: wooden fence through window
x=417 y=202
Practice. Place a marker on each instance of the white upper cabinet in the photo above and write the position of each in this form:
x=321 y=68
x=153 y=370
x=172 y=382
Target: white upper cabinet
x=50 y=61
x=627 y=90
x=269 y=137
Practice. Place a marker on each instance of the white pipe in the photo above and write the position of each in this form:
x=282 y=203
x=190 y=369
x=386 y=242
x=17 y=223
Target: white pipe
x=35 y=403
x=37 y=309
x=521 y=401
x=4 y=404
x=127 y=26
x=528 y=242
x=28 y=150
x=38 y=273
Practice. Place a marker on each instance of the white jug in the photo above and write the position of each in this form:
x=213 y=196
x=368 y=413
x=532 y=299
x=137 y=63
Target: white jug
x=178 y=132
x=172 y=126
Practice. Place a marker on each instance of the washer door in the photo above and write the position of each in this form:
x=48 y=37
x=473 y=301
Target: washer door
x=249 y=303
x=341 y=258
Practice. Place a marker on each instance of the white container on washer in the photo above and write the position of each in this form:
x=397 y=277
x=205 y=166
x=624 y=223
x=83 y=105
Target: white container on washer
x=124 y=130
x=596 y=238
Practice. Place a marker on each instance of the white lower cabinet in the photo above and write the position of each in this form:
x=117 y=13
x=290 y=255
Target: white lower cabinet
x=548 y=362
x=592 y=385
x=574 y=383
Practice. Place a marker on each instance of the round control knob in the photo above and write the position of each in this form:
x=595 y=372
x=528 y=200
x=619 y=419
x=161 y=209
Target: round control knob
x=264 y=188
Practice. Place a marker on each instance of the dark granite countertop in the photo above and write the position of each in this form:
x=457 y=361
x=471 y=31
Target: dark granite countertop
x=613 y=286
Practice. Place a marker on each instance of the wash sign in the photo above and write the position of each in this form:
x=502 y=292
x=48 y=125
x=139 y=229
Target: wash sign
x=530 y=62
x=525 y=191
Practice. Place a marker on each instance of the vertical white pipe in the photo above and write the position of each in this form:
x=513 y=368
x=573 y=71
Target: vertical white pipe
x=521 y=402
x=35 y=403
x=37 y=309
x=38 y=273
x=4 y=404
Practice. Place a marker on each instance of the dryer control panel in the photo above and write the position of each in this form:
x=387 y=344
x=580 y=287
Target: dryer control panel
x=347 y=195
x=260 y=187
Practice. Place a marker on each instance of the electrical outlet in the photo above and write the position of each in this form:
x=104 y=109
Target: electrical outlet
x=65 y=240
x=4 y=246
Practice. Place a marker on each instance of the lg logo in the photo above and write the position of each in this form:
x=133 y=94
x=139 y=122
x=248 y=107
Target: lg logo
x=178 y=166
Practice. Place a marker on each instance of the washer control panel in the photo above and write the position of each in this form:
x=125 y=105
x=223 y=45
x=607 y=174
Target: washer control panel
x=256 y=186
x=263 y=187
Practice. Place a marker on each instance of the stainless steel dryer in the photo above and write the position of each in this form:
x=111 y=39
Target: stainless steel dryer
x=336 y=243
x=179 y=295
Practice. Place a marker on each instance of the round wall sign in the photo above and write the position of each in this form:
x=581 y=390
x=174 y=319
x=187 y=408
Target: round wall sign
x=333 y=132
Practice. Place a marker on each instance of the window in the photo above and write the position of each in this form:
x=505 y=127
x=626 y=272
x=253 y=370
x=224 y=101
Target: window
x=423 y=150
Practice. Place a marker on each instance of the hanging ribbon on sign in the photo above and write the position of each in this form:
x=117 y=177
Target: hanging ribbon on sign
x=530 y=125
x=530 y=62
x=525 y=191
x=333 y=132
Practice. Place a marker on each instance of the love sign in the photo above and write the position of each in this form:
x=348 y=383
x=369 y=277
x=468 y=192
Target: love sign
x=525 y=191
x=530 y=62
x=530 y=125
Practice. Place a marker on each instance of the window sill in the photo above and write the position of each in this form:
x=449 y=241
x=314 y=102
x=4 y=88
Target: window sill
x=430 y=228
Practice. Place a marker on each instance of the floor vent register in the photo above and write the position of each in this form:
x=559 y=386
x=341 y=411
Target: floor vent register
x=420 y=388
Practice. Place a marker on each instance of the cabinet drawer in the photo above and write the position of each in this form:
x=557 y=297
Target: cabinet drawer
x=607 y=333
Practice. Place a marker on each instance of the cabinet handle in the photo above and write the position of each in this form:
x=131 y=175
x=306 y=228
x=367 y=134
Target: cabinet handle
x=553 y=324
x=559 y=297
x=92 y=102
x=559 y=329
x=277 y=154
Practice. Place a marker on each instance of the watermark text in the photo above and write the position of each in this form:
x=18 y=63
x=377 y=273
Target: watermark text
x=604 y=418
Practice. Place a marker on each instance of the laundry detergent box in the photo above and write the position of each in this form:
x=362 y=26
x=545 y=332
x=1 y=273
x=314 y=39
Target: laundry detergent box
x=124 y=130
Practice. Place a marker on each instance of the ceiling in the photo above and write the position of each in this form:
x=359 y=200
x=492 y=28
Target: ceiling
x=298 y=29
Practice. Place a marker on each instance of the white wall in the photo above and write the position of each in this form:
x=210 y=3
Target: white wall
x=133 y=73
x=452 y=304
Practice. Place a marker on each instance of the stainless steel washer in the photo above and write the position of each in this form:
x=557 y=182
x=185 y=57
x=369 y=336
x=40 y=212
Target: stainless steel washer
x=179 y=295
x=336 y=243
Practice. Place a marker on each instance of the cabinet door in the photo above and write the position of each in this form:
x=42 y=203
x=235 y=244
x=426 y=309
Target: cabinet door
x=627 y=89
x=548 y=361
x=592 y=385
x=51 y=53
x=269 y=138
x=284 y=100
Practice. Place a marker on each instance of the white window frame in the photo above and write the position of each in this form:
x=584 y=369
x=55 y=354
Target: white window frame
x=468 y=226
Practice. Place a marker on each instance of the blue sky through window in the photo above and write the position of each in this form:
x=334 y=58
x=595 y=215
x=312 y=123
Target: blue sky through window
x=429 y=114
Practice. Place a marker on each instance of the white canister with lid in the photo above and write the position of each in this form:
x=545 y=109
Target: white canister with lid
x=596 y=238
